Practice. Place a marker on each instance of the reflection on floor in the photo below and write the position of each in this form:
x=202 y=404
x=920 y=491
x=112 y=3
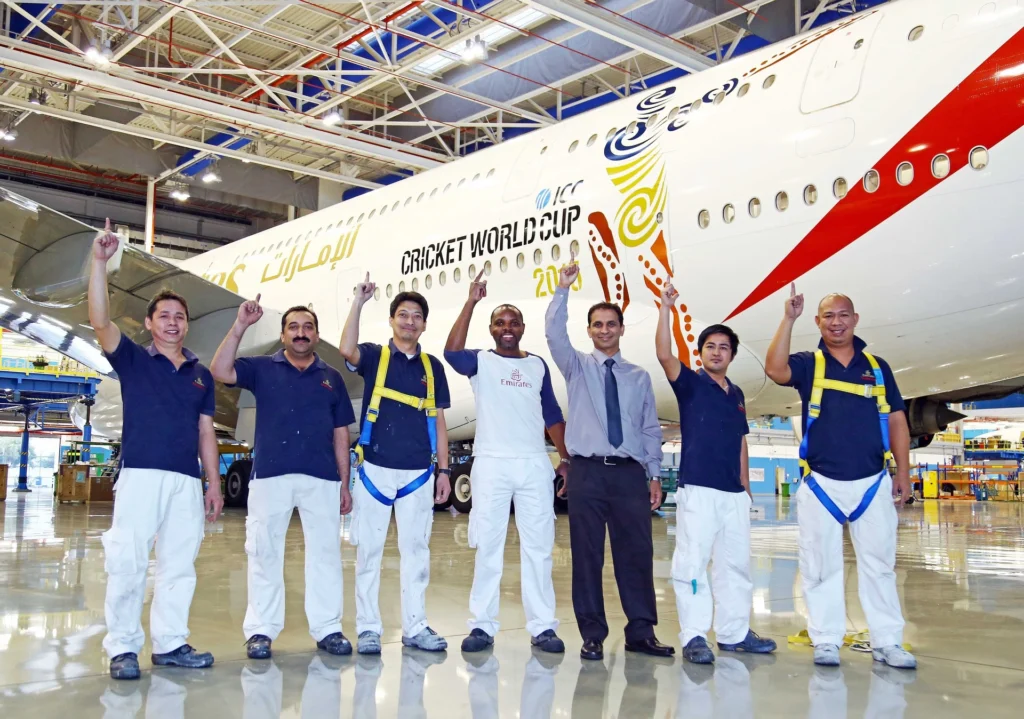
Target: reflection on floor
x=960 y=574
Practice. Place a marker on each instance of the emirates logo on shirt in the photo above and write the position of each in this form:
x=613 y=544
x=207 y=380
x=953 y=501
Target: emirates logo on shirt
x=516 y=380
x=326 y=383
x=198 y=382
x=742 y=408
x=868 y=376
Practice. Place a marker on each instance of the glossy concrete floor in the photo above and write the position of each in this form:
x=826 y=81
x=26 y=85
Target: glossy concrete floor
x=960 y=573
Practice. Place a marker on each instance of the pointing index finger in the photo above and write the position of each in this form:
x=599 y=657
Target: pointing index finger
x=792 y=289
x=479 y=275
x=106 y=228
x=258 y=298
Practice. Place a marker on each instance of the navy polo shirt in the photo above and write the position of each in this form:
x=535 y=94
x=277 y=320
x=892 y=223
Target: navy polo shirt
x=713 y=423
x=400 y=439
x=161 y=408
x=296 y=415
x=846 y=443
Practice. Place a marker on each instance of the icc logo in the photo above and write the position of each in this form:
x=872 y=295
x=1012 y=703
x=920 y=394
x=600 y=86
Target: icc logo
x=560 y=195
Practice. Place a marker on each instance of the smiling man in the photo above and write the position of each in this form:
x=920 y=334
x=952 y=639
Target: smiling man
x=853 y=415
x=168 y=399
x=301 y=462
x=515 y=404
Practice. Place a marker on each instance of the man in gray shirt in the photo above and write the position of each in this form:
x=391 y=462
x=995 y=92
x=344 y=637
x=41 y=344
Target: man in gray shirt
x=614 y=439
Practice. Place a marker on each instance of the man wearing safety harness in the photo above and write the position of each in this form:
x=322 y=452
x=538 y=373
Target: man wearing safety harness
x=515 y=404
x=402 y=441
x=302 y=416
x=713 y=501
x=854 y=421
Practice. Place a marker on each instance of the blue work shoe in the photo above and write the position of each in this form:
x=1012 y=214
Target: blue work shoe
x=428 y=640
x=752 y=644
x=548 y=641
x=124 y=666
x=184 y=656
x=477 y=641
x=698 y=651
x=258 y=646
x=335 y=644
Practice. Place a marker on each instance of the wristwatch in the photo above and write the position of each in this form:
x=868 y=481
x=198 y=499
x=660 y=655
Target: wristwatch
x=564 y=460
x=445 y=471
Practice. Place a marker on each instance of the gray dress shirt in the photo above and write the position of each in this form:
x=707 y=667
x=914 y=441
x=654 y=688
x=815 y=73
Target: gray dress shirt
x=586 y=427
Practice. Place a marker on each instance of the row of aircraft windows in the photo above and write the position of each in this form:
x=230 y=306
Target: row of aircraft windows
x=872 y=180
x=356 y=220
x=503 y=263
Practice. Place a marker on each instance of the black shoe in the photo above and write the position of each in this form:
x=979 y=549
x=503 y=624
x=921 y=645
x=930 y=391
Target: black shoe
x=477 y=641
x=184 y=656
x=258 y=646
x=651 y=646
x=335 y=644
x=592 y=649
x=548 y=641
x=697 y=651
x=124 y=666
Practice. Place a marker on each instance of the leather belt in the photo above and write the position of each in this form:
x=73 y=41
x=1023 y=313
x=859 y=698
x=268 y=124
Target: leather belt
x=610 y=460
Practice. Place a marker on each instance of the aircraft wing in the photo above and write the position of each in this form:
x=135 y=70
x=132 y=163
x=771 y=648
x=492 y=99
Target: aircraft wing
x=45 y=261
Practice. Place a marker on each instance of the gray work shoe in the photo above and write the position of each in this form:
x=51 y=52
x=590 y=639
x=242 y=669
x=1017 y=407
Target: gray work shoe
x=368 y=643
x=826 y=655
x=184 y=656
x=428 y=640
x=894 y=656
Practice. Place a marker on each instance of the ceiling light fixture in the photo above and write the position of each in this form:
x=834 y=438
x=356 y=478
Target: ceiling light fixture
x=211 y=174
x=332 y=118
x=474 y=51
x=8 y=134
x=37 y=97
x=99 y=55
x=180 y=193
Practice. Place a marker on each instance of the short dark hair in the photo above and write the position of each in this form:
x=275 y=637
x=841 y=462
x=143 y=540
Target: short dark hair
x=499 y=308
x=605 y=306
x=299 y=308
x=410 y=297
x=734 y=340
x=166 y=295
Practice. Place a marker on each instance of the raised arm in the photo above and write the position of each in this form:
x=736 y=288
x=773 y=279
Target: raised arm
x=103 y=248
x=663 y=337
x=457 y=337
x=223 y=365
x=556 y=319
x=776 y=364
x=349 y=345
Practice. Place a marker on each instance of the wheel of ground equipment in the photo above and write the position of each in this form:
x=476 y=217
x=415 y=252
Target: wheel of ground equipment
x=561 y=503
x=462 y=490
x=236 y=486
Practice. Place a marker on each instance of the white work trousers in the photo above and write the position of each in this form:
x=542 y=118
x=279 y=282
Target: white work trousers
x=712 y=525
x=414 y=514
x=529 y=481
x=271 y=501
x=821 y=560
x=150 y=503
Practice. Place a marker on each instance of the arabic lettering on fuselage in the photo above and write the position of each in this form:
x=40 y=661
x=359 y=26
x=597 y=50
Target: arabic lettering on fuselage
x=553 y=224
x=295 y=262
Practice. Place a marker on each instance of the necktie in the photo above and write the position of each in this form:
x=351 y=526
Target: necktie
x=611 y=403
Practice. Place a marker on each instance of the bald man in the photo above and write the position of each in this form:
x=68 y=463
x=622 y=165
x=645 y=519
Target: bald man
x=854 y=422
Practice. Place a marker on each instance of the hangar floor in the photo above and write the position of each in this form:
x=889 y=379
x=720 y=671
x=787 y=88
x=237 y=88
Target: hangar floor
x=960 y=573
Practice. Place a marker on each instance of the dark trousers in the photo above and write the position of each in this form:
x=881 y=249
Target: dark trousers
x=616 y=496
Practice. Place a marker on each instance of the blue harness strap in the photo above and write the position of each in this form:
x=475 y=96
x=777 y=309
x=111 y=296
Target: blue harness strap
x=827 y=503
x=407 y=489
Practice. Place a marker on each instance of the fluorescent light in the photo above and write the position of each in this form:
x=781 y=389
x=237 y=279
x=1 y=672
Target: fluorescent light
x=332 y=118
x=98 y=56
x=8 y=134
x=180 y=194
x=210 y=175
x=475 y=50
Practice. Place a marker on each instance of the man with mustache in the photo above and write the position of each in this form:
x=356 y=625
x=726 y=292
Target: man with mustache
x=514 y=405
x=302 y=461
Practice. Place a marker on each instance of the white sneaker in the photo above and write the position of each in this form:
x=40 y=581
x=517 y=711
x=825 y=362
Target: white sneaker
x=428 y=640
x=368 y=643
x=826 y=655
x=895 y=656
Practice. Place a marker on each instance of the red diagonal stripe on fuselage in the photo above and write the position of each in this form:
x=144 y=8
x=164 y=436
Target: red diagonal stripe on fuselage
x=982 y=110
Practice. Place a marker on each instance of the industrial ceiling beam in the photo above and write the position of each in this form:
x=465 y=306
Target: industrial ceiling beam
x=145 y=31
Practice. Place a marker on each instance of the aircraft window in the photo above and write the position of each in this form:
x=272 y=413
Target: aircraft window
x=262 y=250
x=720 y=98
x=457 y=275
x=768 y=82
x=448 y=187
x=395 y=206
x=703 y=219
x=872 y=181
x=427 y=282
x=916 y=33
x=979 y=158
x=543 y=149
x=487 y=267
x=611 y=134
x=659 y=217
x=728 y=214
x=354 y=288
x=383 y=210
x=905 y=173
x=318 y=231
x=592 y=140
x=372 y=213
x=490 y=173
x=940 y=166
x=840 y=188
x=462 y=182
x=696 y=105
x=503 y=264
x=744 y=89
x=388 y=291
x=415 y=284
x=754 y=207
x=631 y=127
x=810 y=195
x=401 y=286
x=556 y=252
x=350 y=220
x=361 y=216
x=672 y=114
x=408 y=200
x=476 y=177
x=652 y=120
x=442 y=278
x=376 y=293
x=574 y=248
x=472 y=272
x=859 y=44
x=782 y=202
x=433 y=192
x=520 y=260
x=574 y=145
x=420 y=198
x=538 y=256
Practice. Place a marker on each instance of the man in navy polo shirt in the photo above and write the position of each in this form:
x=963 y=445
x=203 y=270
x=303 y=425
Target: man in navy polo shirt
x=302 y=418
x=168 y=402
x=399 y=456
x=713 y=500
x=858 y=416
